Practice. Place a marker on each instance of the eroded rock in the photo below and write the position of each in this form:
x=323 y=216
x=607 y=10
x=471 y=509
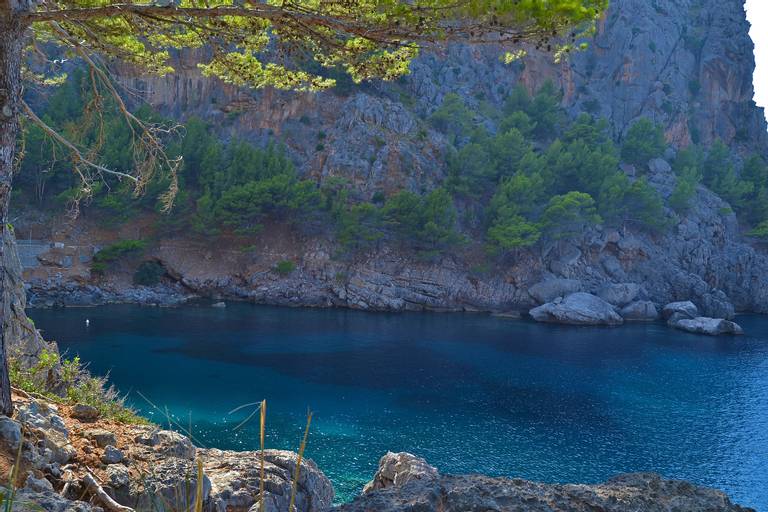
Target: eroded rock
x=645 y=492
x=577 y=309
x=706 y=325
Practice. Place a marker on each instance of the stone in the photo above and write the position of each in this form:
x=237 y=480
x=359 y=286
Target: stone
x=640 y=311
x=41 y=416
x=448 y=493
x=118 y=476
x=85 y=412
x=171 y=481
x=10 y=433
x=173 y=444
x=101 y=437
x=685 y=309
x=577 y=309
x=398 y=469
x=618 y=294
x=35 y=484
x=706 y=325
x=27 y=500
x=550 y=289
x=235 y=481
x=111 y=455
x=219 y=305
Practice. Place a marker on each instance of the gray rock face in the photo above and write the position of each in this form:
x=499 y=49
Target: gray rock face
x=618 y=294
x=27 y=500
x=85 y=412
x=35 y=484
x=639 y=311
x=577 y=309
x=171 y=481
x=706 y=325
x=101 y=437
x=235 y=481
x=684 y=309
x=43 y=419
x=550 y=289
x=111 y=455
x=626 y=493
x=10 y=433
x=649 y=59
x=396 y=469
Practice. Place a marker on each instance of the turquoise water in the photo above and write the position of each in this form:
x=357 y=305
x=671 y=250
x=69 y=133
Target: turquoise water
x=470 y=393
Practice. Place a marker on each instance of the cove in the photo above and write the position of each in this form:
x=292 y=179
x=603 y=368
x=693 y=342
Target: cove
x=470 y=393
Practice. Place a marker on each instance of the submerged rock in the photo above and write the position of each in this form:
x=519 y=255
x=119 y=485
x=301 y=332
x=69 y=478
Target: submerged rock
x=577 y=309
x=447 y=493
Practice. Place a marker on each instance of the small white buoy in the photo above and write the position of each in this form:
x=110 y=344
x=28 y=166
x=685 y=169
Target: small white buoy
x=87 y=322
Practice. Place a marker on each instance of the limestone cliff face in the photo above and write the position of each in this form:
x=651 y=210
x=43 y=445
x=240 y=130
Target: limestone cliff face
x=687 y=64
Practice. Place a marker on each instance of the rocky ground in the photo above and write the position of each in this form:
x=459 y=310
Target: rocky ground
x=71 y=460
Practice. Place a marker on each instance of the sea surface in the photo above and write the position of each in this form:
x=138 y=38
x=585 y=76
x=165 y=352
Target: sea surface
x=470 y=393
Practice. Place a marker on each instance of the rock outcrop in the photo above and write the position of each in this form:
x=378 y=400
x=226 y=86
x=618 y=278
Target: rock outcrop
x=447 y=493
x=144 y=467
x=686 y=66
x=685 y=316
x=577 y=309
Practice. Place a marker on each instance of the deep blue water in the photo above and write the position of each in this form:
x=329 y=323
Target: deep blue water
x=470 y=393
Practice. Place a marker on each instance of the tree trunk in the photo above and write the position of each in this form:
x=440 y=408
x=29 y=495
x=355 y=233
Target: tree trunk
x=11 y=45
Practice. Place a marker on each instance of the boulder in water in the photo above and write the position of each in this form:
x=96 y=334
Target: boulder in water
x=639 y=311
x=577 y=309
x=706 y=325
x=682 y=309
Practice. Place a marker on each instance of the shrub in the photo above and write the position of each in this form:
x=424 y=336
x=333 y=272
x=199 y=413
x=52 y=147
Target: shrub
x=112 y=253
x=149 y=273
x=643 y=142
x=76 y=385
x=285 y=267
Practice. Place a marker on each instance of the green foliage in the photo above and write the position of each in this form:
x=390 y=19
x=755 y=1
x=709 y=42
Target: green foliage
x=687 y=180
x=719 y=174
x=76 y=386
x=453 y=118
x=285 y=267
x=644 y=141
x=760 y=231
x=569 y=214
x=102 y=259
x=149 y=273
x=631 y=202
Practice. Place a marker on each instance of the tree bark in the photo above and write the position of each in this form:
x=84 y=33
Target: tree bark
x=12 y=30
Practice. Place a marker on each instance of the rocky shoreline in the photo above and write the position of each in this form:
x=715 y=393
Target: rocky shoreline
x=704 y=258
x=74 y=461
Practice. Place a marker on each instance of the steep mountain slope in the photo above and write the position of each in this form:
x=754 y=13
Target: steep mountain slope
x=687 y=65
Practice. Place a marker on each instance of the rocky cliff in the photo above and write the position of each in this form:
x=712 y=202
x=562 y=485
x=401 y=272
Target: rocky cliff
x=686 y=64
x=71 y=460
